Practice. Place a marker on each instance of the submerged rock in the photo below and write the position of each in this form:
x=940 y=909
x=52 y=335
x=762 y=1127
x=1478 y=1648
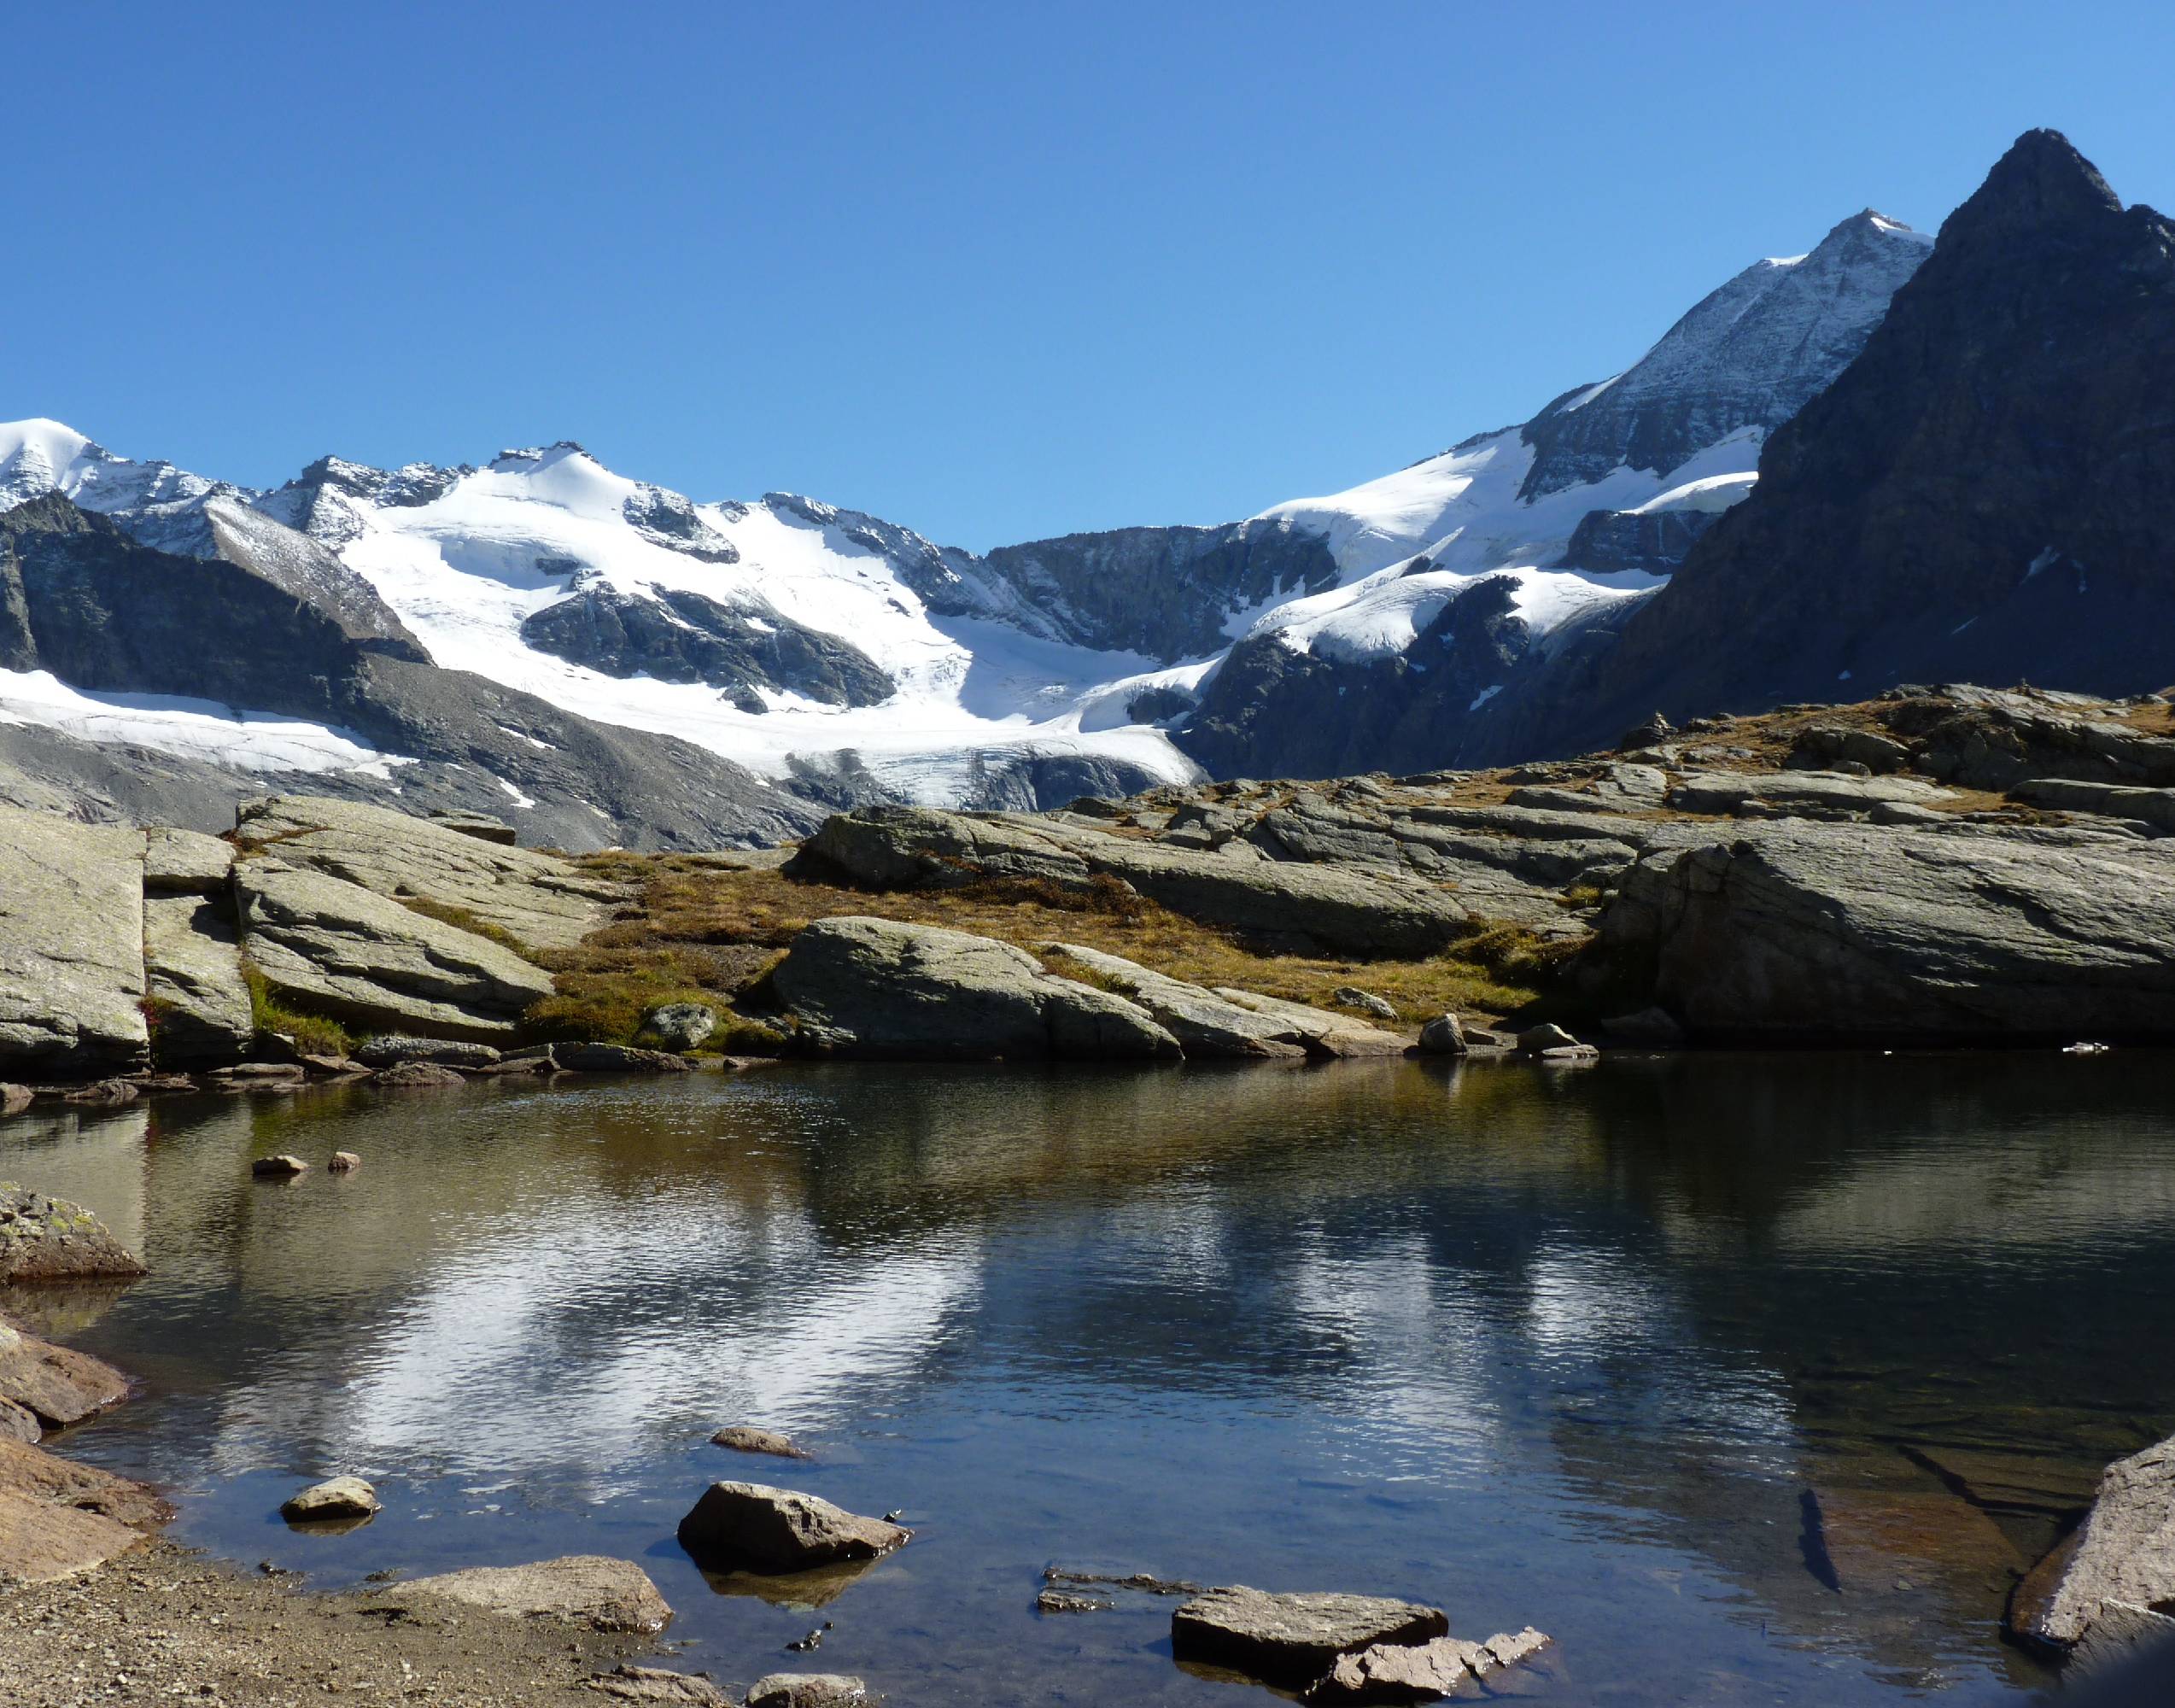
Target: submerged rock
x=283 y=1166
x=604 y=1594
x=753 y=1527
x=45 y=1239
x=741 y=1438
x=1294 y=1639
x=341 y=1497
x=344 y=1162
x=417 y=1074
x=1422 y=1672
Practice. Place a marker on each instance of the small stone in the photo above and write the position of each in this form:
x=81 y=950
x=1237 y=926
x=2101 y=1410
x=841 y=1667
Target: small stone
x=743 y=1439
x=656 y=1684
x=807 y=1690
x=1444 y=1035
x=280 y=1168
x=1546 y=1036
x=344 y=1162
x=342 y=1497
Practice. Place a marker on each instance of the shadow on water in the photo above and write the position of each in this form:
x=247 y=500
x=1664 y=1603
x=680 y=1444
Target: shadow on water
x=1747 y=1377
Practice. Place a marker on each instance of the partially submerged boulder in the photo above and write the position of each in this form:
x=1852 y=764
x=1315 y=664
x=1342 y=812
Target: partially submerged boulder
x=359 y=957
x=807 y=1690
x=45 y=1239
x=389 y=1049
x=617 y=1058
x=56 y=1384
x=753 y=1527
x=337 y=1498
x=2124 y=1555
x=1422 y=1672
x=72 y=921
x=744 y=1438
x=863 y=987
x=1444 y=1035
x=594 y=1590
x=1294 y=1639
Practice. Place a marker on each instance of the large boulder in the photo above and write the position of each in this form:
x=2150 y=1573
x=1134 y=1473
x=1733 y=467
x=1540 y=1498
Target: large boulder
x=358 y=956
x=1337 y=908
x=876 y=987
x=1294 y=1639
x=539 y=899
x=70 y=946
x=192 y=971
x=2125 y=1555
x=753 y=1527
x=594 y=1590
x=1868 y=932
x=45 y=1239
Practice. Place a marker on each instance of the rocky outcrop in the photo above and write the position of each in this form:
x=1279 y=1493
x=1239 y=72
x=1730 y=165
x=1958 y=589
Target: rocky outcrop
x=44 y=1240
x=1294 y=1639
x=863 y=986
x=195 y=993
x=71 y=946
x=677 y=636
x=185 y=862
x=2124 y=1556
x=1978 y=496
x=348 y=952
x=538 y=899
x=1873 y=932
x=753 y=1527
x=1336 y=908
x=593 y=1590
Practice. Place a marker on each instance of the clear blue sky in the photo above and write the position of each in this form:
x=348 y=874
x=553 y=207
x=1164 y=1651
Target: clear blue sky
x=992 y=272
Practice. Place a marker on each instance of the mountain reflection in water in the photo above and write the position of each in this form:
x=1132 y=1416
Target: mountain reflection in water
x=1746 y=1377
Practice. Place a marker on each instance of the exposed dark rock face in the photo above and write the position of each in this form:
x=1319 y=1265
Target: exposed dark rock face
x=312 y=503
x=1163 y=592
x=1981 y=495
x=667 y=519
x=678 y=636
x=1654 y=542
x=1748 y=355
x=276 y=624
x=1272 y=711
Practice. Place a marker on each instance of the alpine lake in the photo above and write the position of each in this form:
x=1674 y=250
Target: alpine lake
x=1748 y=1378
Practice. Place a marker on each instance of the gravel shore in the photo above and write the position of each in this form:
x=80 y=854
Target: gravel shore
x=164 y=1625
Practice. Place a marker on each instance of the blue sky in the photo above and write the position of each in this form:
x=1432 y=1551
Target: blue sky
x=992 y=272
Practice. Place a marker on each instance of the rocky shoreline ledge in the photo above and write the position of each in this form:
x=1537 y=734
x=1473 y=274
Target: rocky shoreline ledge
x=1957 y=866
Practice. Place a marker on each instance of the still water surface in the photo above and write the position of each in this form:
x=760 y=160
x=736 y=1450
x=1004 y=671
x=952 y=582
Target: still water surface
x=1751 y=1379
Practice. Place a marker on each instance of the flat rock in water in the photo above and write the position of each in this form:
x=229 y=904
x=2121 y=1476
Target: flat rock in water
x=192 y=968
x=539 y=899
x=2126 y=1552
x=877 y=987
x=618 y=1058
x=72 y=916
x=741 y=1438
x=1294 y=1639
x=362 y=958
x=56 y=1384
x=341 y=1497
x=807 y=1690
x=604 y=1594
x=753 y=1527
x=389 y=1048
x=45 y=1239
x=1422 y=1672
x=656 y=1684
x=418 y=1073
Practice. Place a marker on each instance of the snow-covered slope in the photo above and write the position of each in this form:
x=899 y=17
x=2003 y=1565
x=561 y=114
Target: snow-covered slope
x=848 y=656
